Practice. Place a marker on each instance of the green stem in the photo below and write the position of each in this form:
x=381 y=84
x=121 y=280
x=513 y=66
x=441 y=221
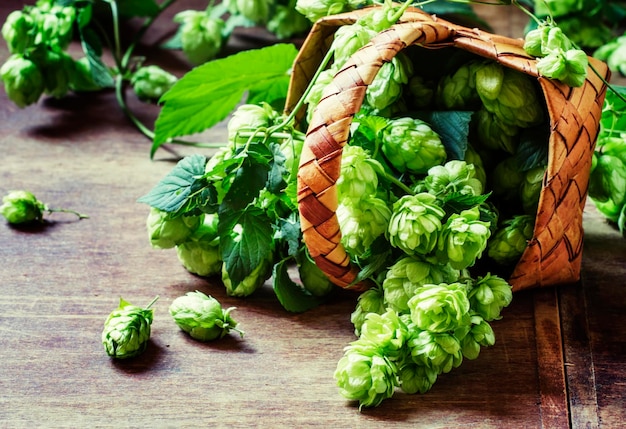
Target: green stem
x=155 y=299
x=399 y=184
x=80 y=215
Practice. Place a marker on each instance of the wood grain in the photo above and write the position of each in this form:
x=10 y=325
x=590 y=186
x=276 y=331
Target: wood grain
x=60 y=281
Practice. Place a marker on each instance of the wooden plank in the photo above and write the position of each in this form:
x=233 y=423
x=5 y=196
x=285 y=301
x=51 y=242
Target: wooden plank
x=551 y=374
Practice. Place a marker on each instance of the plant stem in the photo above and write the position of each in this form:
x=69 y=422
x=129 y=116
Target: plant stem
x=155 y=299
x=80 y=215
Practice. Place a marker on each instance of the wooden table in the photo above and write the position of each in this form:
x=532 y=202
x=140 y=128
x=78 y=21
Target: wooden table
x=558 y=361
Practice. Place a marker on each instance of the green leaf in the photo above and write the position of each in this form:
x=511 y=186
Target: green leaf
x=245 y=241
x=292 y=296
x=277 y=170
x=456 y=202
x=290 y=232
x=172 y=192
x=93 y=50
x=249 y=179
x=453 y=129
x=533 y=147
x=613 y=119
x=208 y=93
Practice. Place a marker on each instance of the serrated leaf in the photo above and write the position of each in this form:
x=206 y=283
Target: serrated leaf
x=453 y=129
x=208 y=93
x=613 y=119
x=277 y=170
x=456 y=202
x=249 y=179
x=293 y=297
x=93 y=50
x=171 y=193
x=245 y=241
x=290 y=232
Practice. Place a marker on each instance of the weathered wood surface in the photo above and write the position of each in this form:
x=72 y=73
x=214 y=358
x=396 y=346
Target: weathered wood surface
x=558 y=358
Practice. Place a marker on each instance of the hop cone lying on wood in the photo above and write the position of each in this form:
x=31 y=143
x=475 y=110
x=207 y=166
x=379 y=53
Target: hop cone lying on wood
x=127 y=330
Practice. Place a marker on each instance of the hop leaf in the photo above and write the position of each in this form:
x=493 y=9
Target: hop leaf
x=127 y=330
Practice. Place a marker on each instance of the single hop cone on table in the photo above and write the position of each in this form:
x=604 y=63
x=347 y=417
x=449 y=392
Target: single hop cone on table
x=127 y=330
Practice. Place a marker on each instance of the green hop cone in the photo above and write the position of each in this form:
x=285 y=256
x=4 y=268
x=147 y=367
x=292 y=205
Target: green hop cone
x=614 y=54
x=200 y=253
x=249 y=284
x=315 y=94
x=58 y=70
x=569 y=67
x=313 y=278
x=386 y=332
x=406 y=276
x=531 y=188
x=463 y=239
x=546 y=39
x=421 y=92
x=386 y=88
x=200 y=34
x=607 y=183
x=361 y=222
x=489 y=295
x=257 y=11
x=358 y=176
x=54 y=26
x=416 y=378
x=437 y=351
x=473 y=157
x=151 y=82
x=127 y=330
x=558 y=8
x=286 y=22
x=202 y=316
x=587 y=32
x=517 y=103
x=454 y=176
x=474 y=336
x=457 y=91
x=412 y=146
x=415 y=223
x=22 y=207
x=370 y=301
x=166 y=231
x=494 y=134
x=349 y=39
x=511 y=239
x=506 y=179
x=316 y=9
x=19 y=31
x=82 y=78
x=249 y=118
x=23 y=80
x=365 y=375
x=489 y=79
x=440 y=307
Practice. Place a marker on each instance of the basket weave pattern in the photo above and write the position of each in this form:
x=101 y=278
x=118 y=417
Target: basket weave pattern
x=553 y=256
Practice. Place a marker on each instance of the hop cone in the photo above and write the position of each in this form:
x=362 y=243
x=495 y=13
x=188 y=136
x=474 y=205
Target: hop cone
x=19 y=31
x=506 y=179
x=386 y=88
x=202 y=316
x=489 y=295
x=316 y=9
x=511 y=239
x=151 y=82
x=23 y=80
x=472 y=157
x=349 y=39
x=200 y=253
x=415 y=223
x=463 y=239
x=517 y=103
x=412 y=146
x=358 y=176
x=453 y=177
x=386 y=332
x=201 y=35
x=416 y=378
x=570 y=67
x=405 y=277
x=249 y=284
x=494 y=134
x=361 y=222
x=313 y=278
x=531 y=189
x=248 y=118
x=440 y=307
x=365 y=375
x=286 y=22
x=127 y=330
x=437 y=351
x=166 y=231
x=370 y=301
x=474 y=336
x=21 y=207
x=457 y=91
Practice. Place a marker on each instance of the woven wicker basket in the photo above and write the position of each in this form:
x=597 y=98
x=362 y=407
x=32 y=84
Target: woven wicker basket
x=553 y=255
